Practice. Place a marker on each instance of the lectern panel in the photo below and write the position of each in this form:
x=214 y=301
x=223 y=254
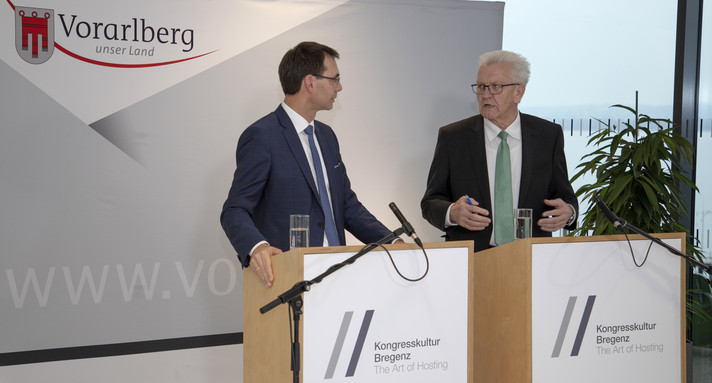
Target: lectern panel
x=596 y=315
x=368 y=324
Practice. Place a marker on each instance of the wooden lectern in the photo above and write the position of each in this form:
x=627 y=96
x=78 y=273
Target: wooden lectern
x=531 y=323
x=428 y=347
x=538 y=310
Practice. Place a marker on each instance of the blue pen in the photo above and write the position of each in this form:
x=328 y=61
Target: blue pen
x=469 y=202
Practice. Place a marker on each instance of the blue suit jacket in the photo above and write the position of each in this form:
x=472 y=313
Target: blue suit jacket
x=459 y=168
x=273 y=180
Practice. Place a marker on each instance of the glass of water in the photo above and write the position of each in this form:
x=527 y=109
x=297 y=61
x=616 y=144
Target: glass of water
x=298 y=230
x=522 y=223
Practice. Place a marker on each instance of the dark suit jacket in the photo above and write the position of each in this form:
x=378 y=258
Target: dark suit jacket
x=459 y=168
x=273 y=180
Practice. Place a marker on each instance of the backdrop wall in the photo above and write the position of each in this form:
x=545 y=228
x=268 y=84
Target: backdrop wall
x=117 y=152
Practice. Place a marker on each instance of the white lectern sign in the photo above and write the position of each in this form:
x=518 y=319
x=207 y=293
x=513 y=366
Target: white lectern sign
x=597 y=317
x=365 y=323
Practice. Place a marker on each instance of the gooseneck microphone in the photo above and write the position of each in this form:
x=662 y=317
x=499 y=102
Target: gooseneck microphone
x=618 y=223
x=407 y=227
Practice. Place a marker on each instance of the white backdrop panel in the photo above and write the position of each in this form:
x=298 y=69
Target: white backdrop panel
x=109 y=200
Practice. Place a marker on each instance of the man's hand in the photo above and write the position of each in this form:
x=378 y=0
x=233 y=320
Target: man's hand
x=471 y=217
x=261 y=263
x=557 y=217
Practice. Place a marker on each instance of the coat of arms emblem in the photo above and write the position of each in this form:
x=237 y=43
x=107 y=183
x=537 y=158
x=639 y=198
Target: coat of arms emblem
x=34 y=34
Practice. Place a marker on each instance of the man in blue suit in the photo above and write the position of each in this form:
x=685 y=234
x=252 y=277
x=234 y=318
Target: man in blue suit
x=276 y=174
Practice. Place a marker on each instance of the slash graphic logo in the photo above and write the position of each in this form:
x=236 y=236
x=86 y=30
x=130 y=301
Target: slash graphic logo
x=566 y=319
x=340 y=340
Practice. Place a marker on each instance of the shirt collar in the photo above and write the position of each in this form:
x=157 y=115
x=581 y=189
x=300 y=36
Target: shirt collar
x=514 y=130
x=298 y=121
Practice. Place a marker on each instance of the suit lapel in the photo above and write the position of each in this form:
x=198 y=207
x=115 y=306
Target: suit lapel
x=295 y=146
x=528 y=144
x=478 y=159
x=329 y=152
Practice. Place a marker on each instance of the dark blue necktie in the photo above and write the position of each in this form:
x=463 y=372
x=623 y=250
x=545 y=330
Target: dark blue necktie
x=329 y=226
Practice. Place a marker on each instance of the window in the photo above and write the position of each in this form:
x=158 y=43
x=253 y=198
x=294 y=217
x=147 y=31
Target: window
x=703 y=200
x=587 y=56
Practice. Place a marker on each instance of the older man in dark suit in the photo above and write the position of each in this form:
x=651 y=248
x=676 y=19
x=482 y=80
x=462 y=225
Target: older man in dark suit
x=289 y=163
x=486 y=165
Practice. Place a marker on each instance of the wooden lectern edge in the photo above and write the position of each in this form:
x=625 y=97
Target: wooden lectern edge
x=502 y=332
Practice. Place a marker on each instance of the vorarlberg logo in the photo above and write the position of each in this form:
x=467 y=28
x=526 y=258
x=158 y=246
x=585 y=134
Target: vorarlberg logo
x=129 y=39
x=565 y=326
x=339 y=344
x=34 y=34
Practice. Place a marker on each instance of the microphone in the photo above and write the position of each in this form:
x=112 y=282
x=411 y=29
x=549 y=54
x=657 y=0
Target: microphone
x=404 y=222
x=609 y=214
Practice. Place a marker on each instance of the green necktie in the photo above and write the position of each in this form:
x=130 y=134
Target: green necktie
x=503 y=206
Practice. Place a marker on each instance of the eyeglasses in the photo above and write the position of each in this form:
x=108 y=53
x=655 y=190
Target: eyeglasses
x=493 y=88
x=336 y=80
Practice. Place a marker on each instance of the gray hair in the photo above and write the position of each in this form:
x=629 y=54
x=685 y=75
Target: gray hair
x=517 y=62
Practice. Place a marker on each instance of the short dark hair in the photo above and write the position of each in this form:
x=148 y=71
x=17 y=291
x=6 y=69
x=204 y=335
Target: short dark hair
x=304 y=59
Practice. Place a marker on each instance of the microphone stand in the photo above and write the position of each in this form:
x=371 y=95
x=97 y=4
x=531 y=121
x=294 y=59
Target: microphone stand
x=620 y=223
x=293 y=296
x=693 y=260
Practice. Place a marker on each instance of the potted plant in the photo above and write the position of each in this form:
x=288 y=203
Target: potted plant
x=637 y=174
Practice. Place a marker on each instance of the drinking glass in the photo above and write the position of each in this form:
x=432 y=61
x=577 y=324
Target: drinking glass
x=522 y=223
x=298 y=230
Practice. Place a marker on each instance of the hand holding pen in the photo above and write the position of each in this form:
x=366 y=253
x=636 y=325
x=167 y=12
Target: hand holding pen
x=467 y=213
